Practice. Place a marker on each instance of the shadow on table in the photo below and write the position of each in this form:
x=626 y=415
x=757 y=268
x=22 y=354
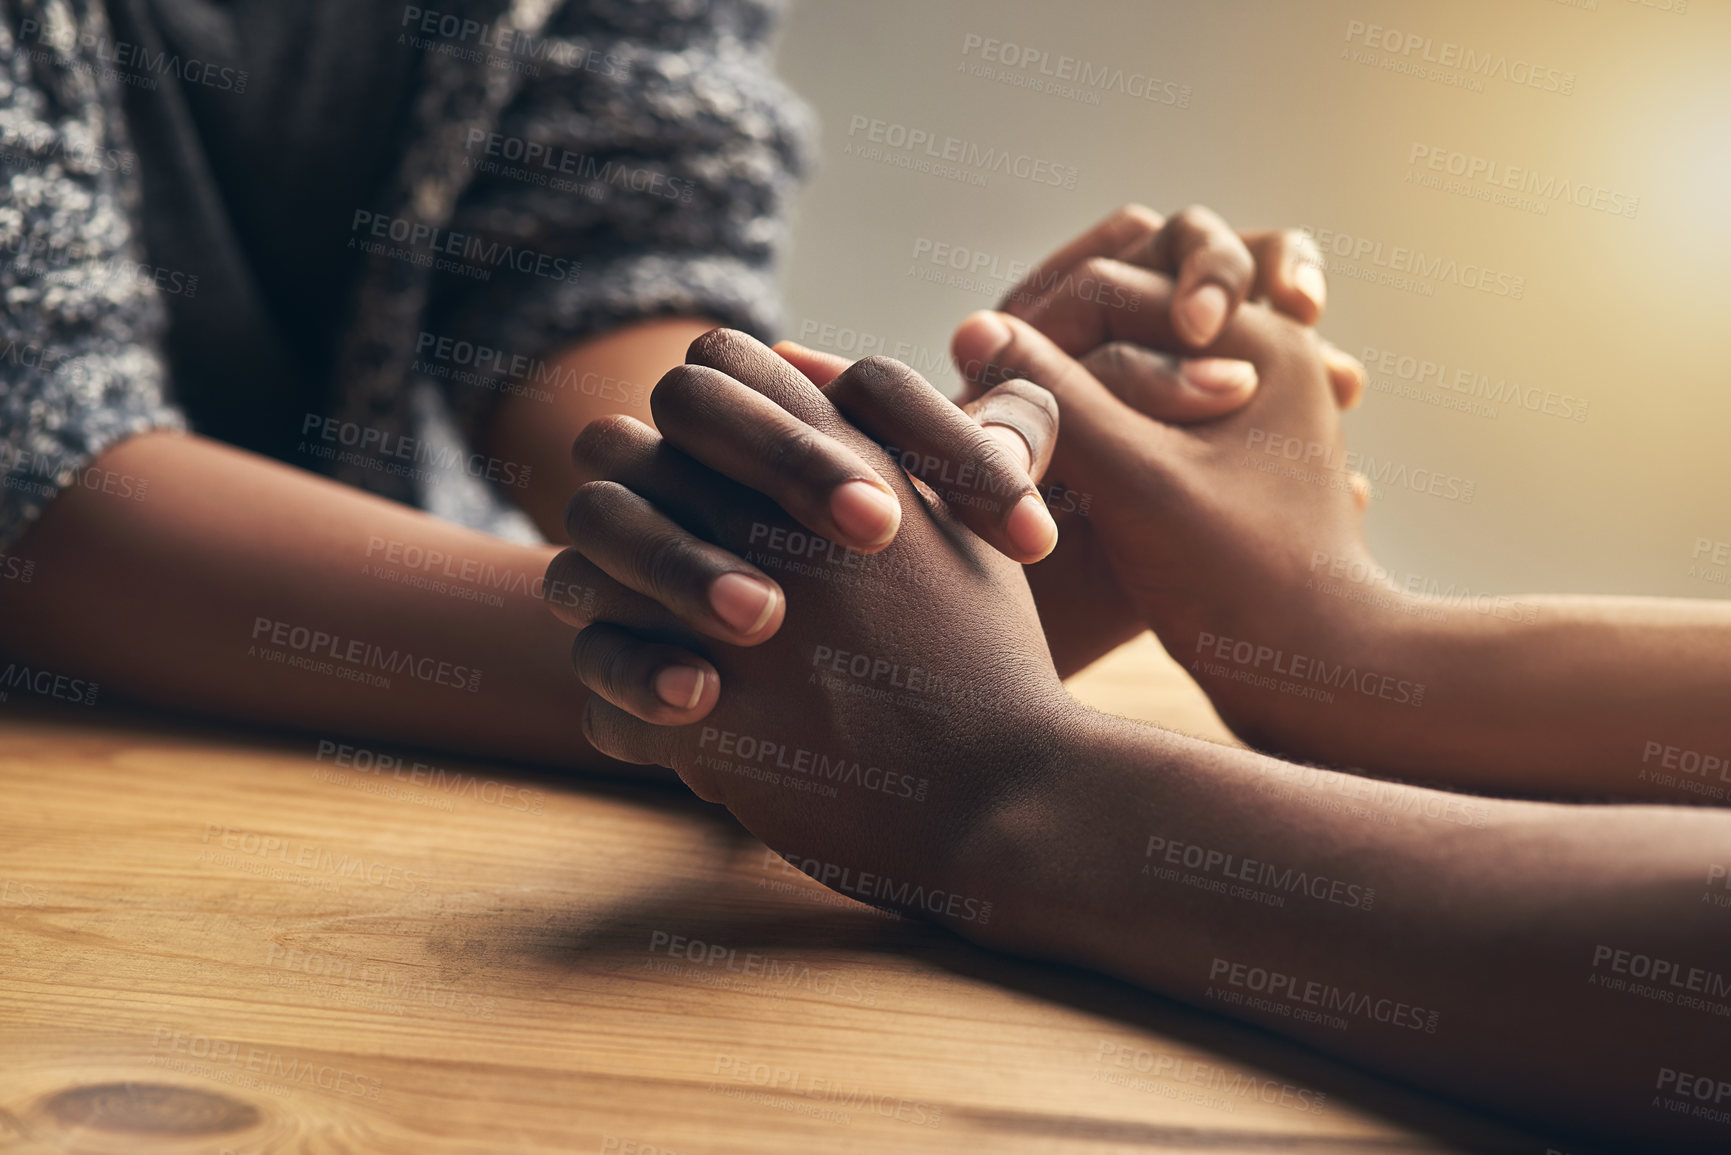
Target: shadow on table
x=705 y=911
x=718 y=909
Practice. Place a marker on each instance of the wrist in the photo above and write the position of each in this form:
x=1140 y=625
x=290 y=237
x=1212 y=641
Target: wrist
x=1006 y=854
x=1308 y=680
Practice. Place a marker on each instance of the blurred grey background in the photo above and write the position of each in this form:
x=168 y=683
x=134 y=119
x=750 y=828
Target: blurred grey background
x=1278 y=112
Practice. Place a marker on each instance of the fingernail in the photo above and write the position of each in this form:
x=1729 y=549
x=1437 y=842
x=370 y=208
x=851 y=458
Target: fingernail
x=1203 y=312
x=1308 y=279
x=1218 y=374
x=867 y=514
x=1031 y=528
x=744 y=603
x=1015 y=443
x=680 y=686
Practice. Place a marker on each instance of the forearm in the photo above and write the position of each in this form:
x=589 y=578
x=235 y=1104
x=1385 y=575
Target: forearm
x=246 y=589
x=1460 y=943
x=611 y=373
x=1618 y=697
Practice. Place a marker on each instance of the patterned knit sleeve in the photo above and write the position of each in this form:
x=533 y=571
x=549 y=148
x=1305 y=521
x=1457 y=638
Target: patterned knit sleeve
x=79 y=330
x=644 y=169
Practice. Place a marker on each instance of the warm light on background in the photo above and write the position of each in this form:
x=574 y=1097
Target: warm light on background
x=1281 y=113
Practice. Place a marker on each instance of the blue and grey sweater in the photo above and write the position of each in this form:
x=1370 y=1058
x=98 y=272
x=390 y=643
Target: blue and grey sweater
x=329 y=230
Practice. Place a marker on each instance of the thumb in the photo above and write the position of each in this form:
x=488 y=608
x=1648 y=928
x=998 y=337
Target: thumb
x=1098 y=428
x=819 y=368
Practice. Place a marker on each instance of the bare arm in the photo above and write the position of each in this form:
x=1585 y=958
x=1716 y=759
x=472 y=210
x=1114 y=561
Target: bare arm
x=1240 y=541
x=1563 y=965
x=1620 y=697
x=1567 y=965
x=246 y=589
x=610 y=373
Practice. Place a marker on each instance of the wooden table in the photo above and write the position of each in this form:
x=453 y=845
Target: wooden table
x=218 y=941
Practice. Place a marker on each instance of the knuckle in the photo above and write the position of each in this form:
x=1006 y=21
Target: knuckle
x=790 y=456
x=1133 y=223
x=589 y=654
x=1136 y=214
x=617 y=672
x=668 y=563
x=599 y=442
x=1097 y=266
x=1194 y=219
x=887 y=380
x=592 y=503
x=1106 y=361
x=674 y=392
x=717 y=344
x=566 y=564
x=1038 y=397
x=988 y=454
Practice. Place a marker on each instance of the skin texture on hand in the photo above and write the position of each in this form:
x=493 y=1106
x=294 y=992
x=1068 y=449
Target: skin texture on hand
x=1084 y=610
x=1304 y=644
x=1029 y=824
x=1209 y=528
x=843 y=749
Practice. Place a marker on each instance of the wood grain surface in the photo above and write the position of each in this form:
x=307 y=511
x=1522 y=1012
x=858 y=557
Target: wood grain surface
x=218 y=941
